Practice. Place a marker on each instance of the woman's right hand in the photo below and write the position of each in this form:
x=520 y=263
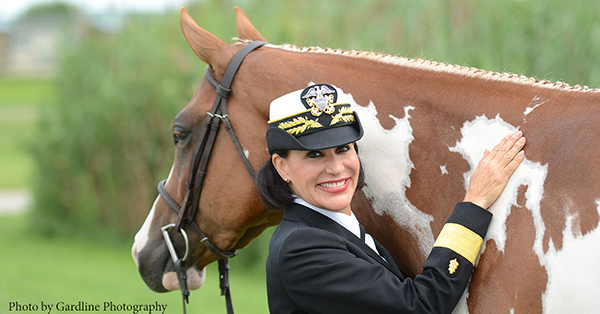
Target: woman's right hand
x=495 y=168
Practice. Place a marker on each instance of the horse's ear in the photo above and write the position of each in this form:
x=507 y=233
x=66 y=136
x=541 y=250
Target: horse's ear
x=245 y=28
x=204 y=44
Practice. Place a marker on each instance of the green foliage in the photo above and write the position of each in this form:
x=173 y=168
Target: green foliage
x=57 y=8
x=105 y=143
x=548 y=39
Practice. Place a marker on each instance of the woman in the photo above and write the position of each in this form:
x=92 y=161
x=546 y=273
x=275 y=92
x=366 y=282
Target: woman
x=320 y=259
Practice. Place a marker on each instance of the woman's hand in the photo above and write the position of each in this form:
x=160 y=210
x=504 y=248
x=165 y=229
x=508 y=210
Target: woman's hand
x=493 y=171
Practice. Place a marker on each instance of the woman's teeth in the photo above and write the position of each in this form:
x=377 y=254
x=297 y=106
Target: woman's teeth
x=333 y=184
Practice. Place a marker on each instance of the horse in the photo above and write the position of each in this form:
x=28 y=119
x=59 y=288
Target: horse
x=427 y=125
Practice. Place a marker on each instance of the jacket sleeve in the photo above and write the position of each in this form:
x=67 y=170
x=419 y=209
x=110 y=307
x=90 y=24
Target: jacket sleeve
x=324 y=276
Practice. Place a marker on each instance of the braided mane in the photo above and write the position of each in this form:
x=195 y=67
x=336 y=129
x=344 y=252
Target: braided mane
x=433 y=66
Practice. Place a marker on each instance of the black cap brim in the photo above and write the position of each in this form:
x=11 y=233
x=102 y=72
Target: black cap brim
x=279 y=139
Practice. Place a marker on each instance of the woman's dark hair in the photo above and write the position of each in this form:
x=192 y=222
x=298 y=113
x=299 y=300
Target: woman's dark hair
x=276 y=193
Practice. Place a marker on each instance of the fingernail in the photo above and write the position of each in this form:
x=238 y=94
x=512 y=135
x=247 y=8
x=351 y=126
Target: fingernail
x=518 y=134
x=521 y=140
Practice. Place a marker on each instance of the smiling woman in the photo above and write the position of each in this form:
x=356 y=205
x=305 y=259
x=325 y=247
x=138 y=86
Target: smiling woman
x=326 y=178
x=321 y=260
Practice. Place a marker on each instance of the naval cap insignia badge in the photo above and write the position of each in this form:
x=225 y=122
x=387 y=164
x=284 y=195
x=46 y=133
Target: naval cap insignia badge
x=319 y=98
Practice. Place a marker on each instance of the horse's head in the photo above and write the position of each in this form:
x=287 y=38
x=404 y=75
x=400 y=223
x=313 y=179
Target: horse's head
x=229 y=211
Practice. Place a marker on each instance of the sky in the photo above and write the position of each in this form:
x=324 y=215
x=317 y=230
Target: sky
x=10 y=9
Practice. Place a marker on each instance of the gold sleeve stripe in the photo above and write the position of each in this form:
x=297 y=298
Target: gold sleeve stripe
x=461 y=240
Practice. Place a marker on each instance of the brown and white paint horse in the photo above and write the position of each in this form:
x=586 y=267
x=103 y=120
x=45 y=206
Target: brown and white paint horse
x=426 y=127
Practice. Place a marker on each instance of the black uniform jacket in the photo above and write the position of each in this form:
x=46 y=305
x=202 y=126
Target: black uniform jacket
x=317 y=266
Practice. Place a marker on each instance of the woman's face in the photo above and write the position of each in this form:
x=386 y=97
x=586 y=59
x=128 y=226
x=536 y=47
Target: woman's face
x=324 y=178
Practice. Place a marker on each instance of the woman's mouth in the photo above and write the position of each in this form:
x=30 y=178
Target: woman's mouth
x=334 y=186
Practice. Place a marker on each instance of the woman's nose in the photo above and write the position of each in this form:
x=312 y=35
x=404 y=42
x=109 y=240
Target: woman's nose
x=335 y=165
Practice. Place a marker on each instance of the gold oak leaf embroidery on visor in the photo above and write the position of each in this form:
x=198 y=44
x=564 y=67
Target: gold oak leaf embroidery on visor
x=299 y=125
x=344 y=114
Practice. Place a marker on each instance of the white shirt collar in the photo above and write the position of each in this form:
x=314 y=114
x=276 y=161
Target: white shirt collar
x=347 y=221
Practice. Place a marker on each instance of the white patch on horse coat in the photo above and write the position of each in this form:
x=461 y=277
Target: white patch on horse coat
x=477 y=136
x=387 y=168
x=573 y=275
x=142 y=236
x=483 y=133
x=195 y=277
x=535 y=102
x=572 y=287
x=443 y=170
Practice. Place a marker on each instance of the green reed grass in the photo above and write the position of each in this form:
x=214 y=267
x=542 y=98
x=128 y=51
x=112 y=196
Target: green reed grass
x=16 y=164
x=548 y=39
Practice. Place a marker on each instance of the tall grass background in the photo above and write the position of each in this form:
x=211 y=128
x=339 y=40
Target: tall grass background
x=105 y=143
x=102 y=145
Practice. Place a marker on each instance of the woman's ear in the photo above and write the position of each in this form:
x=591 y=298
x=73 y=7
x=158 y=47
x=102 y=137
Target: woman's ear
x=280 y=165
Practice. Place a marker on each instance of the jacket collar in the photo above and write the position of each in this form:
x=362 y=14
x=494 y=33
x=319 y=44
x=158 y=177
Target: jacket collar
x=307 y=216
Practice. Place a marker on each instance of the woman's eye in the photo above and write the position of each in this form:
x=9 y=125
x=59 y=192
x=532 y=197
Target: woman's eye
x=343 y=148
x=314 y=154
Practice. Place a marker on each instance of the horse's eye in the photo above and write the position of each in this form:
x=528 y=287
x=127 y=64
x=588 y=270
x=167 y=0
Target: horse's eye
x=178 y=137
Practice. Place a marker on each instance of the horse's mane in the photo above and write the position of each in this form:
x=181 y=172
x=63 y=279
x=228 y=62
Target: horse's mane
x=433 y=66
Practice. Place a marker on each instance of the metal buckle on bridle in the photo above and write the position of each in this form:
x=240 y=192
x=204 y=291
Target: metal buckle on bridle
x=170 y=245
x=179 y=263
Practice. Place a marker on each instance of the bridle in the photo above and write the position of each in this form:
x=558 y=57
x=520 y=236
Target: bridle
x=197 y=172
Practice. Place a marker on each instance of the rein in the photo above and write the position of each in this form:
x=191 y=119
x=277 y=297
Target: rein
x=199 y=164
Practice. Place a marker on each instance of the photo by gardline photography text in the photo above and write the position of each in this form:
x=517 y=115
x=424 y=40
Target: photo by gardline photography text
x=85 y=307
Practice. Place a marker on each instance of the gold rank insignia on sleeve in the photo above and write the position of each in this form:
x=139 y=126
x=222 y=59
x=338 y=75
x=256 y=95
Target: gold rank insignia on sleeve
x=452 y=266
x=461 y=240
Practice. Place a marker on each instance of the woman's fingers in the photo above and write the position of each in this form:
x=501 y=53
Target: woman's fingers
x=495 y=168
x=504 y=144
x=514 y=164
x=508 y=148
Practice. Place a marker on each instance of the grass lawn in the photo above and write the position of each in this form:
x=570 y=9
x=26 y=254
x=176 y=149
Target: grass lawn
x=19 y=100
x=16 y=164
x=26 y=91
x=69 y=270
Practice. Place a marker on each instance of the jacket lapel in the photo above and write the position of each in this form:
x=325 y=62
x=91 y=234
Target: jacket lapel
x=312 y=218
x=388 y=257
